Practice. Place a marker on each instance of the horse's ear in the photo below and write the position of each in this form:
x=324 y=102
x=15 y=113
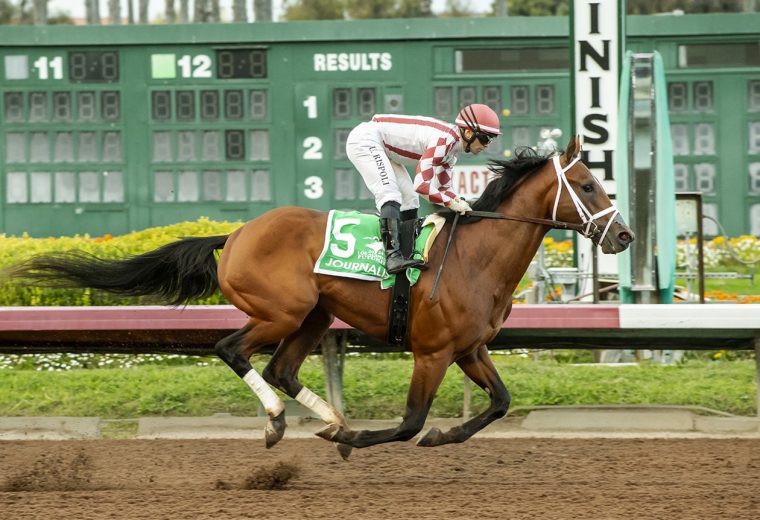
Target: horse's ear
x=573 y=149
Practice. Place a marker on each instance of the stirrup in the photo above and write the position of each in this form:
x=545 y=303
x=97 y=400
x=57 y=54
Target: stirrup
x=396 y=263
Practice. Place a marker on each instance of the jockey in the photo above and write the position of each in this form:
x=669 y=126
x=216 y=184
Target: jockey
x=381 y=148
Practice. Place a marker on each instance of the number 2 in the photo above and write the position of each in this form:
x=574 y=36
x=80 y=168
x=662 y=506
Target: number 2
x=313 y=147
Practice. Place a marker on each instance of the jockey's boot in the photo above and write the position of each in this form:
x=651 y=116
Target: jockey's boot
x=389 y=229
x=394 y=260
x=409 y=214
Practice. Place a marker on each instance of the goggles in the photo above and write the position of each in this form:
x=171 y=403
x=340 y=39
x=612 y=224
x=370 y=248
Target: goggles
x=485 y=139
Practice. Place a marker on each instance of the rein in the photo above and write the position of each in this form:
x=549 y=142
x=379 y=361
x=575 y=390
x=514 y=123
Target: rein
x=555 y=224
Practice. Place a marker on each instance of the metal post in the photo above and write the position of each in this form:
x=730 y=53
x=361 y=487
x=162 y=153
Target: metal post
x=595 y=273
x=467 y=394
x=700 y=250
x=642 y=160
x=333 y=356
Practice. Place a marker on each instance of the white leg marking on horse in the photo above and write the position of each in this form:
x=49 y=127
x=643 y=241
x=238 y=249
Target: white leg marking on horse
x=319 y=406
x=272 y=404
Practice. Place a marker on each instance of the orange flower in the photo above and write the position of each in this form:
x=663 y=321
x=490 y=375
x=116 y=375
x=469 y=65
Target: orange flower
x=104 y=238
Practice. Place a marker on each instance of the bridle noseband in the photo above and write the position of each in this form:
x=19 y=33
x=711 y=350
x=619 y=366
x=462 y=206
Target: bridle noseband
x=591 y=229
x=588 y=228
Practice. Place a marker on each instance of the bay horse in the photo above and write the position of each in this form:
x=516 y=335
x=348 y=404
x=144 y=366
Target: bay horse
x=266 y=270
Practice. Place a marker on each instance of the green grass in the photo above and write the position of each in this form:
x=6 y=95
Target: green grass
x=739 y=286
x=374 y=387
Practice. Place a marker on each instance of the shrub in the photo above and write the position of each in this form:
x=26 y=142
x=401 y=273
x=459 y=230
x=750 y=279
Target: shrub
x=17 y=249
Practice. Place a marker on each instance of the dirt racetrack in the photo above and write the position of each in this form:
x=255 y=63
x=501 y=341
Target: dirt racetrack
x=483 y=478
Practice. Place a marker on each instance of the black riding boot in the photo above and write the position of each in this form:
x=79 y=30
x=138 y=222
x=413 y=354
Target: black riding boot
x=409 y=214
x=395 y=261
x=389 y=229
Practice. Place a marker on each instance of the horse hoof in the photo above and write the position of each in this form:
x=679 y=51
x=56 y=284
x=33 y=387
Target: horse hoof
x=434 y=437
x=329 y=432
x=275 y=429
x=344 y=450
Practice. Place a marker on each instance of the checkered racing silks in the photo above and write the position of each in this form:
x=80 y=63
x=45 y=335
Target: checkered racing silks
x=381 y=148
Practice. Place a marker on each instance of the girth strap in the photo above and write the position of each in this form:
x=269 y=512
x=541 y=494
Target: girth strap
x=398 y=313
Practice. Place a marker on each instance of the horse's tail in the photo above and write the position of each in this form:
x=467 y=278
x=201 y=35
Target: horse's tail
x=175 y=273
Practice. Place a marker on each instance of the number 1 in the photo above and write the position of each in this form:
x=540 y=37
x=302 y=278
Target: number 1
x=311 y=107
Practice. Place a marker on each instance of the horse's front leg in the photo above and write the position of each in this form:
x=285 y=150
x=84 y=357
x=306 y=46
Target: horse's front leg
x=478 y=367
x=428 y=373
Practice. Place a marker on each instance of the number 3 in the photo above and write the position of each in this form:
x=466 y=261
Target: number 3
x=314 y=189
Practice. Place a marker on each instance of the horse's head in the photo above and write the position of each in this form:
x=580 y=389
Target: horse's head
x=580 y=198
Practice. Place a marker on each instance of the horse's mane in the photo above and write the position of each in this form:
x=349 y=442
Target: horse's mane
x=507 y=174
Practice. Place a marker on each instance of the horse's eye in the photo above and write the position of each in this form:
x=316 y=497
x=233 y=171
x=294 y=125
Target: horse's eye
x=588 y=188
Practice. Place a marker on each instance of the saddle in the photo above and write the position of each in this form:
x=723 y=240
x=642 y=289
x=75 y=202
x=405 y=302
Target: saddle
x=398 y=312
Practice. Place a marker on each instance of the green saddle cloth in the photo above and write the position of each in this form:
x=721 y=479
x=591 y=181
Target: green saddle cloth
x=354 y=249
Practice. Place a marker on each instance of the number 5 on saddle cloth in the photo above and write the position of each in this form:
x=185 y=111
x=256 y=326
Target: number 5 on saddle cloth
x=353 y=249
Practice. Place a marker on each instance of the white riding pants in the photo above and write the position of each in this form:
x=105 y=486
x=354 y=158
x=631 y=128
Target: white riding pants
x=387 y=180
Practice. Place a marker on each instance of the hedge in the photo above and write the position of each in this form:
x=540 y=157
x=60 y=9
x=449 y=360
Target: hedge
x=15 y=249
x=718 y=255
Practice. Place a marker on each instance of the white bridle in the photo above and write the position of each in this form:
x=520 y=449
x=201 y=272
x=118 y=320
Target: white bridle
x=586 y=217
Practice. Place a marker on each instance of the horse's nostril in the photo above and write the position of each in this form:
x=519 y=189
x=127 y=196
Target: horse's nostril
x=625 y=237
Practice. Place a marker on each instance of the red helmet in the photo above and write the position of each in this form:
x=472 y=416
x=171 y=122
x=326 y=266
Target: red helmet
x=479 y=118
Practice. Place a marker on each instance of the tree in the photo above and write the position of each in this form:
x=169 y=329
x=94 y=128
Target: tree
x=687 y=6
x=375 y=9
x=314 y=10
x=201 y=11
x=562 y=7
x=239 y=11
x=92 y=10
x=457 y=9
x=60 y=19
x=39 y=9
x=143 y=11
x=262 y=10
x=537 y=7
x=169 y=11
x=372 y=9
x=21 y=14
x=415 y=9
x=114 y=11
x=184 y=11
x=9 y=13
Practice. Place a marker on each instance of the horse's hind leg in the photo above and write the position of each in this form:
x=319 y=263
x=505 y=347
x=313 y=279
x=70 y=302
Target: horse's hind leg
x=235 y=350
x=282 y=370
x=427 y=376
x=478 y=367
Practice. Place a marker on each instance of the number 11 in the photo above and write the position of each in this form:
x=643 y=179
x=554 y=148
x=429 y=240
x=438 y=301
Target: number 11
x=43 y=63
